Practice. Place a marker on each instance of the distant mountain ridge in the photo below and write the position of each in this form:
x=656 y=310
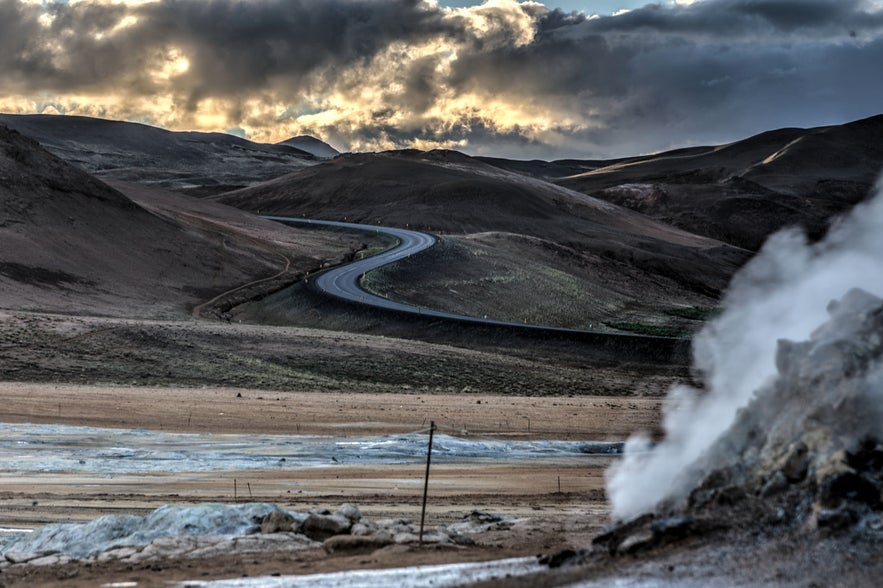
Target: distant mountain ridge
x=738 y=193
x=743 y=191
x=630 y=243
x=184 y=161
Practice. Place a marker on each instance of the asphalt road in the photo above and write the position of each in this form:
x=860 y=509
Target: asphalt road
x=343 y=282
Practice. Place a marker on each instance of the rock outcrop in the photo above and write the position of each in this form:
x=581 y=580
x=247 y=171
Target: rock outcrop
x=213 y=530
x=805 y=456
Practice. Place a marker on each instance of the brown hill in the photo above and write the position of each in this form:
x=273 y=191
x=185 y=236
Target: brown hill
x=70 y=243
x=741 y=192
x=186 y=161
x=449 y=192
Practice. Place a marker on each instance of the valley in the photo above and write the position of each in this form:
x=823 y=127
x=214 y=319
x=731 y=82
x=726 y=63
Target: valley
x=144 y=289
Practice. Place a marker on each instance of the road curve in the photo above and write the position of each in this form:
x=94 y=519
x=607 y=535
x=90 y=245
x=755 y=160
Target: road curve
x=343 y=282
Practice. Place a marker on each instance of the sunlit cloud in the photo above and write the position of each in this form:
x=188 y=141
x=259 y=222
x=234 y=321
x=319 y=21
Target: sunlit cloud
x=502 y=75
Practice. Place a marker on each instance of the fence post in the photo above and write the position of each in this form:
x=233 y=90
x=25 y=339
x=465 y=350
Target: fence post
x=426 y=481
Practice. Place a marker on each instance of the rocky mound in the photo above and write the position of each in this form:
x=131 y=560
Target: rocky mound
x=804 y=457
x=213 y=530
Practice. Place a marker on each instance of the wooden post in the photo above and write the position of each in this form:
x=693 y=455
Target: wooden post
x=426 y=481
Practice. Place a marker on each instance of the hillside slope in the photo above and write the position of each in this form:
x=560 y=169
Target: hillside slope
x=311 y=145
x=71 y=243
x=200 y=162
x=629 y=261
x=743 y=191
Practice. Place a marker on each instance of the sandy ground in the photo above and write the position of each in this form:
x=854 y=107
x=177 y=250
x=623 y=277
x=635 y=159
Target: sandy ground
x=554 y=518
x=231 y=410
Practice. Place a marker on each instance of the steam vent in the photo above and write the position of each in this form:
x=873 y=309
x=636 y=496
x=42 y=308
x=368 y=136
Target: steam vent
x=804 y=457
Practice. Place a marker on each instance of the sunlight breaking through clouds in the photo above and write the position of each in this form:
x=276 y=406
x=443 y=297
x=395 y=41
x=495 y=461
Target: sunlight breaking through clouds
x=506 y=77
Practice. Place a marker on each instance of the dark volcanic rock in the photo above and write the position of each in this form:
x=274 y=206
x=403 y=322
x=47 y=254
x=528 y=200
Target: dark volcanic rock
x=278 y=521
x=353 y=544
x=560 y=558
x=321 y=527
x=805 y=453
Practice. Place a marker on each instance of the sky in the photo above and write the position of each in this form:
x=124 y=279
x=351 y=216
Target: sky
x=589 y=79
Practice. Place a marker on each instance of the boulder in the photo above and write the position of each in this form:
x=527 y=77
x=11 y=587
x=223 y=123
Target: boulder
x=563 y=557
x=350 y=512
x=847 y=486
x=321 y=527
x=117 y=553
x=364 y=528
x=796 y=463
x=838 y=519
x=50 y=560
x=776 y=484
x=17 y=557
x=278 y=521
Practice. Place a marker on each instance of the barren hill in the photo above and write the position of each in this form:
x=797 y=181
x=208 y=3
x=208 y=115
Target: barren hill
x=206 y=162
x=311 y=145
x=70 y=243
x=743 y=191
x=613 y=259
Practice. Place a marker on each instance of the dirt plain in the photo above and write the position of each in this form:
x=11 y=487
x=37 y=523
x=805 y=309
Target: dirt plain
x=552 y=519
x=212 y=376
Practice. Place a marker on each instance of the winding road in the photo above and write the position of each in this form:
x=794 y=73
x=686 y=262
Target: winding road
x=343 y=282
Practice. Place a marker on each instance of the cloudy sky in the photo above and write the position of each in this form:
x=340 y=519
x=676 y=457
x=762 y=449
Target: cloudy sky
x=590 y=78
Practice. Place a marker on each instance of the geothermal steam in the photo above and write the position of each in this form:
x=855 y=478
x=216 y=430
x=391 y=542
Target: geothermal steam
x=781 y=294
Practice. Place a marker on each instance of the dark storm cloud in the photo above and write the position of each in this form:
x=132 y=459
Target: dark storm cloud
x=740 y=18
x=231 y=45
x=718 y=70
x=648 y=79
x=234 y=45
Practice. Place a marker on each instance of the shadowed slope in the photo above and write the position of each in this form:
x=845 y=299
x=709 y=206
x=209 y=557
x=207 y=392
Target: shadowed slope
x=206 y=162
x=312 y=146
x=744 y=191
x=69 y=242
x=445 y=191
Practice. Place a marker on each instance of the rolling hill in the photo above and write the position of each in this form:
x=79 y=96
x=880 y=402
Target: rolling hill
x=630 y=242
x=741 y=192
x=186 y=161
x=623 y=263
x=71 y=243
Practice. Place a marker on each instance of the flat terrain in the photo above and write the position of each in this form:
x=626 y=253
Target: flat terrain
x=236 y=410
x=552 y=519
x=192 y=353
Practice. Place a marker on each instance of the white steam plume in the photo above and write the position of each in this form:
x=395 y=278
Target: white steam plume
x=781 y=294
